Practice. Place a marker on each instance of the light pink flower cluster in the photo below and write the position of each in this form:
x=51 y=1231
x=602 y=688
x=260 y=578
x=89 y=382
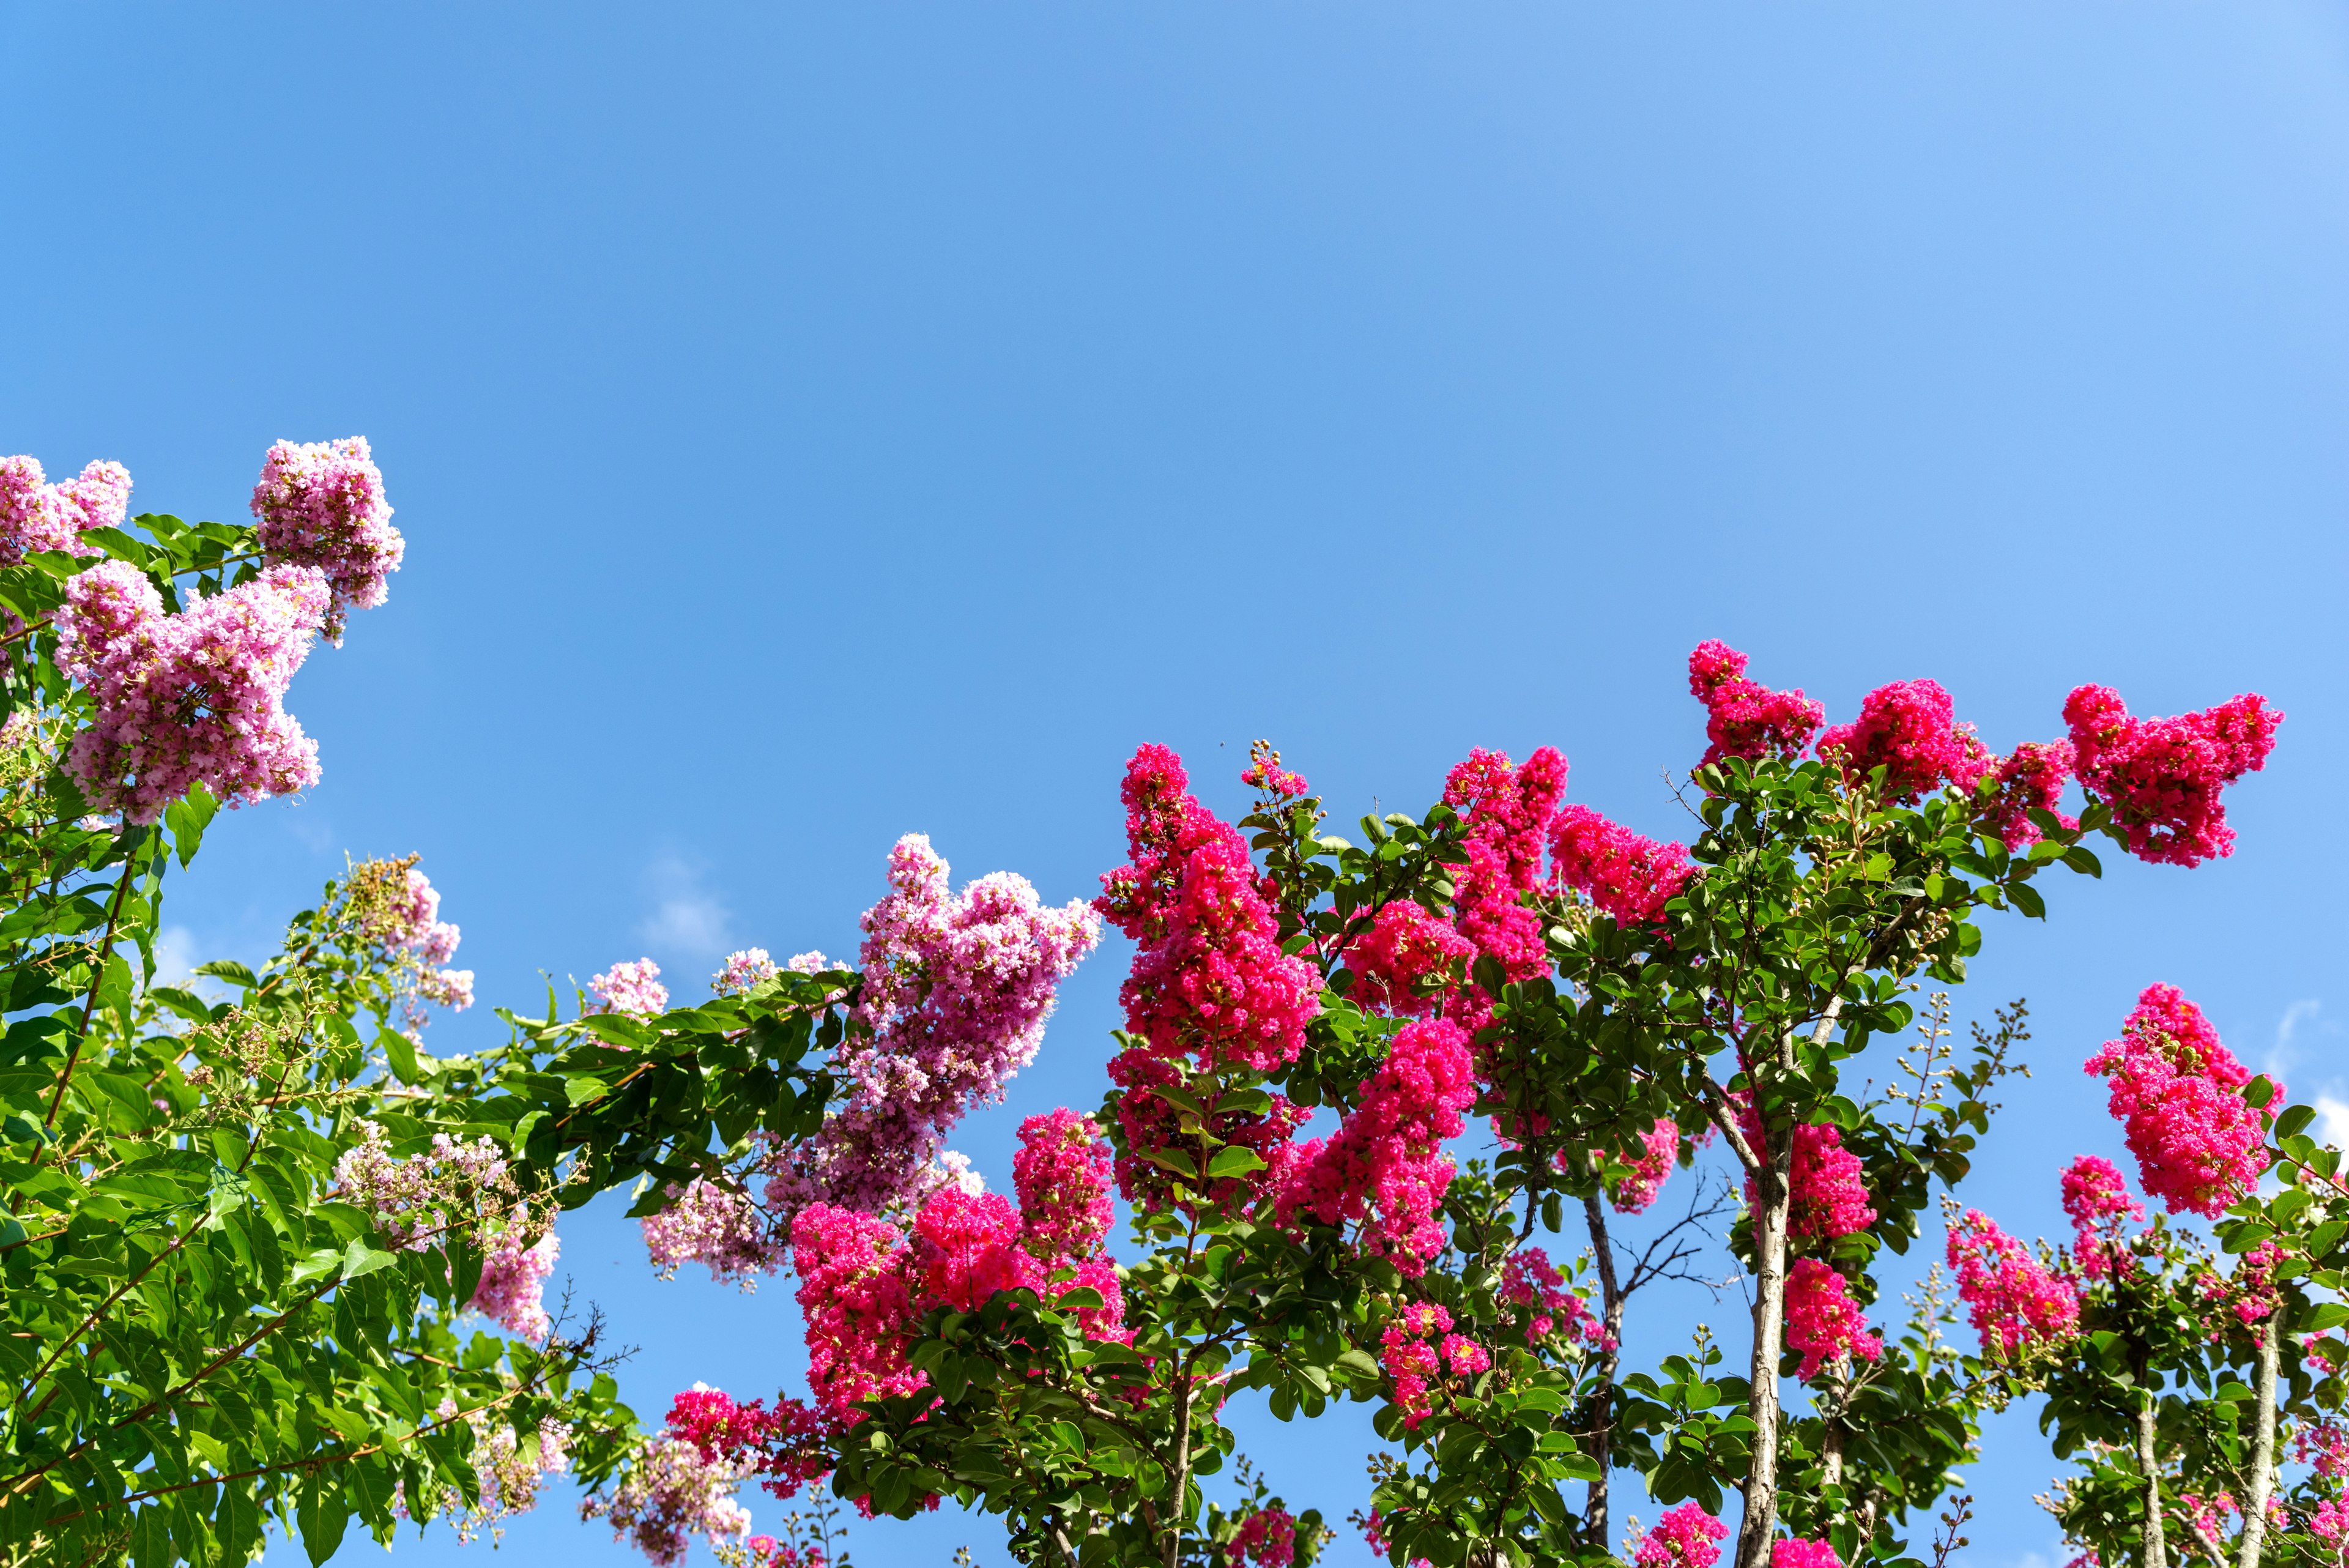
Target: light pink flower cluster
x=34 y=515
x=1745 y=719
x=1796 y=1553
x=2097 y=1201
x=1686 y=1536
x=2033 y=775
x=750 y=967
x=1267 y=1538
x=711 y=1225
x=1209 y=981
x=957 y=992
x=507 y=1477
x=415 y=923
x=2164 y=776
x=1507 y=811
x=2177 y=1093
x=1529 y=1280
x=320 y=504
x=514 y=1282
x=1385 y=1166
x=2017 y=1304
x=1627 y=874
x=631 y=987
x=1409 y=1351
x=1822 y=1320
x=785 y=1445
x=1404 y=947
x=1829 y=1187
x=455 y=1190
x=669 y=1494
x=190 y=698
x=1910 y=729
x=1660 y=1150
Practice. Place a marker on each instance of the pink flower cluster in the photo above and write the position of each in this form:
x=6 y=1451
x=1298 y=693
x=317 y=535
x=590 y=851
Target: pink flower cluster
x=416 y=925
x=1661 y=1149
x=1410 y=1351
x=1830 y=1196
x=2164 y=776
x=455 y=1190
x=2097 y=1202
x=2016 y=1302
x=1796 y=1553
x=669 y=1494
x=320 y=504
x=1530 y=1281
x=786 y=1445
x=34 y=515
x=1384 y=1167
x=1209 y=982
x=1910 y=729
x=2177 y=1093
x=1822 y=1320
x=1404 y=948
x=1265 y=772
x=2033 y=775
x=715 y=1226
x=631 y=987
x=750 y=967
x=1687 y=1536
x=1267 y=1538
x=1507 y=810
x=862 y=1291
x=2253 y=1288
x=957 y=992
x=190 y=698
x=1745 y=719
x=513 y=1279
x=2323 y=1447
x=1629 y=876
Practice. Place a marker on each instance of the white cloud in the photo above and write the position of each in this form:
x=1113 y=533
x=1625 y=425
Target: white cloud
x=2333 y=1120
x=688 y=921
x=2286 y=1050
x=176 y=956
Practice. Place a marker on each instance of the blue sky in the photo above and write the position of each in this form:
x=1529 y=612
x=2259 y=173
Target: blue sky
x=815 y=424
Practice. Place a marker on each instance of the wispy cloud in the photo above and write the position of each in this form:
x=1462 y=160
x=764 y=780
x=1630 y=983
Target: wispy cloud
x=2286 y=1051
x=176 y=956
x=688 y=921
x=2297 y=1036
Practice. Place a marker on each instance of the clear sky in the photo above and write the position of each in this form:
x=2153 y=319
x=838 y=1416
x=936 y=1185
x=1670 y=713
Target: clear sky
x=813 y=424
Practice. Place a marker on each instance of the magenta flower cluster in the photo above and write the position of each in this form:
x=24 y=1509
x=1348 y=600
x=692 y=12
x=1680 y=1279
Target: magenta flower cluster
x=1385 y=1170
x=1830 y=1196
x=1822 y=1320
x=2097 y=1202
x=2177 y=1093
x=320 y=504
x=1406 y=962
x=1507 y=810
x=35 y=515
x=2017 y=1303
x=192 y=698
x=1660 y=1150
x=1910 y=729
x=1742 y=718
x=1797 y=1552
x=1418 y=1352
x=1686 y=1537
x=1629 y=876
x=1531 y=1282
x=2164 y=776
x=1267 y=1538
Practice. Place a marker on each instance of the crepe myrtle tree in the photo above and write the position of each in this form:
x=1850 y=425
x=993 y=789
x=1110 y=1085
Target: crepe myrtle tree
x=1611 y=1005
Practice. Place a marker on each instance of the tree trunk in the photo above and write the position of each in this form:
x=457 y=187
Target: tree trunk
x=2156 y=1554
x=1775 y=1193
x=1595 y=1522
x=1176 y=1511
x=2255 y=1506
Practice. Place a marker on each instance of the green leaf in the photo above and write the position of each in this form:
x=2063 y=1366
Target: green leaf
x=187 y=818
x=362 y=1260
x=2025 y=897
x=1233 y=1160
x=2295 y=1121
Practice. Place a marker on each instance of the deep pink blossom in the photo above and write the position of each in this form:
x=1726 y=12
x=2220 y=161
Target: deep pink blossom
x=1265 y=772
x=2097 y=1201
x=2033 y=775
x=1743 y=719
x=1627 y=874
x=1796 y=1553
x=320 y=504
x=1409 y=1354
x=1267 y=1538
x=2017 y=1303
x=1660 y=1150
x=859 y=1313
x=2177 y=1093
x=1384 y=1167
x=1822 y=1320
x=785 y=1445
x=34 y=515
x=966 y=1246
x=1507 y=812
x=1404 y=947
x=1062 y=1174
x=190 y=698
x=1911 y=730
x=1530 y=1281
x=1686 y=1536
x=1152 y=1124
x=1830 y=1196
x=2164 y=777
x=1209 y=983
